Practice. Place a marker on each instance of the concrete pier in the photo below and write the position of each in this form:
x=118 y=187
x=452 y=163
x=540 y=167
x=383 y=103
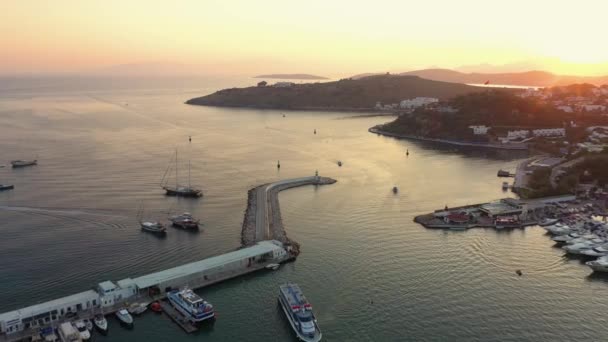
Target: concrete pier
x=262 y=219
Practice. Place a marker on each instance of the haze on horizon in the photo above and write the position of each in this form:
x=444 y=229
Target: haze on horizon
x=330 y=38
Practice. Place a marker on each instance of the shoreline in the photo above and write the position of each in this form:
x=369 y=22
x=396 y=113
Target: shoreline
x=376 y=130
x=295 y=109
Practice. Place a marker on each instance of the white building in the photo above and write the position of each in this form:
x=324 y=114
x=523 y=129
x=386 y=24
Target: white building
x=549 y=132
x=283 y=84
x=417 y=102
x=593 y=108
x=567 y=109
x=518 y=134
x=480 y=129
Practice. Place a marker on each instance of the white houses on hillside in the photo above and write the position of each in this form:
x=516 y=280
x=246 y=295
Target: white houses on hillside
x=549 y=132
x=417 y=102
x=480 y=129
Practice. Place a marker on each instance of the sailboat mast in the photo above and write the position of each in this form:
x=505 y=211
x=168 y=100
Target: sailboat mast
x=176 y=173
x=189 y=158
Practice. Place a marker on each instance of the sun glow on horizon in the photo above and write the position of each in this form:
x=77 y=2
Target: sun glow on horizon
x=331 y=38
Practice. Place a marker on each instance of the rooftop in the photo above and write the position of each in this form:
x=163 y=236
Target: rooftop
x=107 y=286
x=54 y=304
x=152 y=279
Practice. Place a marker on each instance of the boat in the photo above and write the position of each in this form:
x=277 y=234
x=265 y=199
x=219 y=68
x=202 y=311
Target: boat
x=598 y=251
x=6 y=187
x=48 y=335
x=68 y=333
x=548 y=222
x=124 y=317
x=137 y=308
x=299 y=313
x=184 y=221
x=339 y=163
x=578 y=248
x=191 y=305
x=101 y=324
x=395 y=190
x=566 y=238
x=156 y=307
x=179 y=190
x=88 y=324
x=153 y=227
x=85 y=335
x=23 y=163
x=273 y=267
x=599 y=265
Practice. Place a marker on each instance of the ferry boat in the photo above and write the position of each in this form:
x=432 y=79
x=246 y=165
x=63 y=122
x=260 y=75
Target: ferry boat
x=184 y=221
x=191 y=305
x=299 y=313
x=23 y=163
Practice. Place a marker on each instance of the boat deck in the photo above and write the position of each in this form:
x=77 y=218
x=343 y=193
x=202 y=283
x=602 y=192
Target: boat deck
x=177 y=317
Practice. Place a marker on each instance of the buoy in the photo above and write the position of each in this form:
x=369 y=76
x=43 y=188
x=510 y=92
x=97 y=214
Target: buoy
x=519 y=273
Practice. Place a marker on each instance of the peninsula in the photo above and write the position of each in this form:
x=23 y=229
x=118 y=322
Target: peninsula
x=292 y=77
x=346 y=94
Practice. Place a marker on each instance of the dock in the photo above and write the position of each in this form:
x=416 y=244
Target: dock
x=176 y=317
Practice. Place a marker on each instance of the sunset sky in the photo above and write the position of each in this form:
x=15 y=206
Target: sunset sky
x=313 y=36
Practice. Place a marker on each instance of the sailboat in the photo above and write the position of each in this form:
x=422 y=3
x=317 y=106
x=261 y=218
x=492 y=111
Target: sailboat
x=179 y=190
x=150 y=226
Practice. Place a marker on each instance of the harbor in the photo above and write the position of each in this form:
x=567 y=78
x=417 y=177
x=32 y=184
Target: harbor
x=264 y=252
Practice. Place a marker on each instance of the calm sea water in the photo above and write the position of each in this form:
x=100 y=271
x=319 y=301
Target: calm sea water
x=369 y=271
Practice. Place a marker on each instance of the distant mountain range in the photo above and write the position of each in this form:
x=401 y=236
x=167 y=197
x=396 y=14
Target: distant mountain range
x=292 y=77
x=528 y=78
x=346 y=94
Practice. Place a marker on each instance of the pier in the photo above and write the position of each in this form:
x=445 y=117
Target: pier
x=176 y=317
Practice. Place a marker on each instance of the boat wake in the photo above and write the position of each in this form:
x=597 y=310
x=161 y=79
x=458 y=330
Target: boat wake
x=74 y=215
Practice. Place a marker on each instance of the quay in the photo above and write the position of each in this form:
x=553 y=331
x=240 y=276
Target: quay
x=262 y=223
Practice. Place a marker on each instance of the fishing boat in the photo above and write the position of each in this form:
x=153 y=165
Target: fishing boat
x=191 y=305
x=101 y=324
x=124 y=317
x=6 y=187
x=184 y=221
x=299 y=313
x=23 y=163
x=178 y=189
x=137 y=308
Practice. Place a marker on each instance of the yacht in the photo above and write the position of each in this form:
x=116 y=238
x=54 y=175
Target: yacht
x=177 y=189
x=100 y=323
x=547 y=222
x=558 y=229
x=184 y=221
x=599 y=265
x=23 y=163
x=566 y=238
x=85 y=335
x=153 y=227
x=137 y=308
x=598 y=251
x=191 y=305
x=578 y=248
x=299 y=313
x=124 y=317
x=68 y=333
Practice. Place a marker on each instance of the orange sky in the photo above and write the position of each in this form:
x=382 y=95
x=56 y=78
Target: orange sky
x=315 y=36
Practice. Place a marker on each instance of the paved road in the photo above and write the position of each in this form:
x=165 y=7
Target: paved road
x=263 y=206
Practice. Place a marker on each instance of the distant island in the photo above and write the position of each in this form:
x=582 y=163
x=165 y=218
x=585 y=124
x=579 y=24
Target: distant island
x=292 y=77
x=527 y=78
x=362 y=94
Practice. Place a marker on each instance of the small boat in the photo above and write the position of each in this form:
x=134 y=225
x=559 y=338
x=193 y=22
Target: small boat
x=599 y=265
x=339 y=163
x=68 y=333
x=548 y=221
x=598 y=251
x=100 y=323
x=137 y=308
x=48 y=335
x=273 y=267
x=153 y=227
x=88 y=324
x=23 y=163
x=395 y=190
x=82 y=330
x=184 y=221
x=124 y=317
x=156 y=307
x=191 y=305
x=6 y=187
x=299 y=313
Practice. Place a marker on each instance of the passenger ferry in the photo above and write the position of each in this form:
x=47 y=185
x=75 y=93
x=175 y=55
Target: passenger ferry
x=189 y=304
x=299 y=313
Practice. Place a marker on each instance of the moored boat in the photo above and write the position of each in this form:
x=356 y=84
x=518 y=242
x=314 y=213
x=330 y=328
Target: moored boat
x=548 y=222
x=184 y=221
x=6 y=187
x=153 y=227
x=273 y=267
x=68 y=333
x=178 y=189
x=599 y=265
x=190 y=305
x=156 y=307
x=81 y=326
x=100 y=323
x=23 y=163
x=299 y=313
x=137 y=308
x=124 y=317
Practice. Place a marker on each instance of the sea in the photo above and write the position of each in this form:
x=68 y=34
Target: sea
x=370 y=272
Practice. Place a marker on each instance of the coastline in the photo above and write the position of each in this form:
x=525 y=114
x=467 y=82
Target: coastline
x=307 y=108
x=376 y=130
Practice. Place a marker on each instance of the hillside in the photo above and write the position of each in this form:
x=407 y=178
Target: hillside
x=292 y=77
x=528 y=78
x=361 y=94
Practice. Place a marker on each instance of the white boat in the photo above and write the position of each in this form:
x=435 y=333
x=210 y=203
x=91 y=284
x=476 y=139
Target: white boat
x=68 y=333
x=597 y=251
x=273 y=267
x=558 y=229
x=137 y=308
x=191 y=305
x=566 y=238
x=578 y=248
x=82 y=330
x=88 y=324
x=23 y=163
x=149 y=226
x=599 y=265
x=547 y=222
x=124 y=316
x=299 y=313
x=101 y=323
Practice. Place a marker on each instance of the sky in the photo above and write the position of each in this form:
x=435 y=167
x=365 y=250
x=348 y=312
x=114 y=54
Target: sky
x=327 y=37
